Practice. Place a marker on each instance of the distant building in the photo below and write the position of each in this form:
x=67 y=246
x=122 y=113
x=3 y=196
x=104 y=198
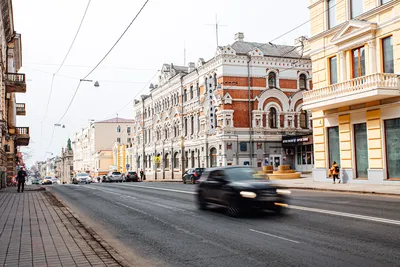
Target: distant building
x=355 y=101
x=90 y=143
x=233 y=109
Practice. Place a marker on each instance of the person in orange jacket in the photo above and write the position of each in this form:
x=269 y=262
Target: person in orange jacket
x=334 y=170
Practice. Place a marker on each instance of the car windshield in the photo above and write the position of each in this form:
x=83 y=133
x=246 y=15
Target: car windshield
x=54 y=179
x=116 y=173
x=82 y=174
x=47 y=178
x=241 y=174
x=199 y=169
x=132 y=172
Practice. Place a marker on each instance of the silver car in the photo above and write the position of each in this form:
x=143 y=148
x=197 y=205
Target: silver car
x=114 y=177
x=82 y=178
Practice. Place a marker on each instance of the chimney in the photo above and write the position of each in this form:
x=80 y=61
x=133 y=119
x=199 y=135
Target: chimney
x=151 y=86
x=191 y=66
x=239 y=36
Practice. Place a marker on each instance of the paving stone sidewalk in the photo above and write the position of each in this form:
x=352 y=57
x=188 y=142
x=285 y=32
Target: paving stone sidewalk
x=37 y=230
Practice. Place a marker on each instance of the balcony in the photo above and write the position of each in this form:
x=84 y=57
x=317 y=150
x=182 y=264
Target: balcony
x=23 y=136
x=15 y=83
x=21 y=111
x=356 y=91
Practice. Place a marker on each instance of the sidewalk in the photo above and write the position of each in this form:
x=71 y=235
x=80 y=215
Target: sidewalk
x=37 y=230
x=309 y=184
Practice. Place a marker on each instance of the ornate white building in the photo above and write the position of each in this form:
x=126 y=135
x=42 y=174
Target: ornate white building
x=230 y=110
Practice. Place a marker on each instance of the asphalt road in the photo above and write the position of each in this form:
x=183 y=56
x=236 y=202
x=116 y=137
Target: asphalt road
x=158 y=224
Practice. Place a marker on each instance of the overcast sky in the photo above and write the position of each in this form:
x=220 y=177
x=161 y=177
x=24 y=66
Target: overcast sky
x=158 y=36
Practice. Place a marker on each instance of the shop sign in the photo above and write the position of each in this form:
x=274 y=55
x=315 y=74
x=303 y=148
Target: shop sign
x=295 y=140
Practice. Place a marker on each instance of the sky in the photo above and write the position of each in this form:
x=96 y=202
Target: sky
x=161 y=34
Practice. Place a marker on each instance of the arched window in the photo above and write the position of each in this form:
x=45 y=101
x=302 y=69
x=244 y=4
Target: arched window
x=176 y=160
x=272 y=118
x=272 y=80
x=191 y=92
x=191 y=125
x=186 y=126
x=175 y=130
x=184 y=96
x=213 y=157
x=186 y=159
x=303 y=82
x=303 y=119
x=166 y=161
x=166 y=133
x=118 y=129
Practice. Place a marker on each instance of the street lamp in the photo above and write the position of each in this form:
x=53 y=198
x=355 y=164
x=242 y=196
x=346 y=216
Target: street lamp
x=96 y=83
x=59 y=125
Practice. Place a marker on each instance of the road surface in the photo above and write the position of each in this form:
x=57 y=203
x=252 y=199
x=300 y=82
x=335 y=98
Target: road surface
x=158 y=224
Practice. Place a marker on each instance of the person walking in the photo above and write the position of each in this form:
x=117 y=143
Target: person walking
x=21 y=176
x=334 y=170
x=141 y=175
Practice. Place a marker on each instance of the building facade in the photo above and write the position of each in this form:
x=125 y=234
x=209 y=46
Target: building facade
x=355 y=101
x=231 y=110
x=11 y=83
x=99 y=136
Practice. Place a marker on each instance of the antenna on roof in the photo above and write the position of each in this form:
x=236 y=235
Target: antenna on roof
x=217 y=25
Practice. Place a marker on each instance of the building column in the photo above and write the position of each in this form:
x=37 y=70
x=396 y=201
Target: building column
x=346 y=157
x=278 y=120
x=372 y=56
x=342 y=65
x=376 y=172
x=266 y=120
x=298 y=114
x=320 y=169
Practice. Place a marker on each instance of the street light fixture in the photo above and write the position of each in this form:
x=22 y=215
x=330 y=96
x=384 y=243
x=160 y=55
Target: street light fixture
x=96 y=83
x=59 y=125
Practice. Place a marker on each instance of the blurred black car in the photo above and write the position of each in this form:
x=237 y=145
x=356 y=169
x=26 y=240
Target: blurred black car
x=239 y=189
x=192 y=175
x=130 y=177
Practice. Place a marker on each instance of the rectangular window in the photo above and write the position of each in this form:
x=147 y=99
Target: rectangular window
x=361 y=150
x=129 y=140
x=385 y=1
x=358 y=62
x=357 y=8
x=333 y=75
x=118 y=140
x=331 y=13
x=333 y=144
x=128 y=130
x=392 y=134
x=387 y=52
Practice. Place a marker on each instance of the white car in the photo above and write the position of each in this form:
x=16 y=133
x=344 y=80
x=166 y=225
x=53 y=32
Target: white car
x=55 y=181
x=114 y=177
x=82 y=178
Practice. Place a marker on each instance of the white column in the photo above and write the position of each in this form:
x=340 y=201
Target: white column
x=266 y=120
x=298 y=120
x=285 y=121
x=278 y=120
x=372 y=57
x=342 y=66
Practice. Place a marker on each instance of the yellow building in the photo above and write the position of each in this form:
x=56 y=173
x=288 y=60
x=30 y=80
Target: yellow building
x=103 y=162
x=123 y=157
x=355 y=101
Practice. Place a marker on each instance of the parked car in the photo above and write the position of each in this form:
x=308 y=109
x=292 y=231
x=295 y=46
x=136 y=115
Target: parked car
x=40 y=181
x=114 y=177
x=81 y=178
x=55 y=181
x=192 y=175
x=47 y=180
x=238 y=189
x=130 y=177
x=35 y=181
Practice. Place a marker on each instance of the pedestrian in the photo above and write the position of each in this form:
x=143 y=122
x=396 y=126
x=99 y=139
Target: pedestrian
x=98 y=179
x=21 y=176
x=334 y=171
x=141 y=175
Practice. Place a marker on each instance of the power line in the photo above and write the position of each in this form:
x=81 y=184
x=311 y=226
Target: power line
x=86 y=66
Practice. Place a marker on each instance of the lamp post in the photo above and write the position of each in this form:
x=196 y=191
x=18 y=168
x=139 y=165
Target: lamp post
x=96 y=83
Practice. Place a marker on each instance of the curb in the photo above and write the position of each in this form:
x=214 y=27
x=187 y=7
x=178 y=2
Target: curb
x=113 y=253
x=343 y=191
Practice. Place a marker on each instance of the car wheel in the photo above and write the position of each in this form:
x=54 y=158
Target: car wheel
x=201 y=201
x=192 y=180
x=233 y=209
x=184 y=180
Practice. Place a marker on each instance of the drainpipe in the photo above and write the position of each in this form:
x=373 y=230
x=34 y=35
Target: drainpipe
x=143 y=145
x=182 y=137
x=249 y=107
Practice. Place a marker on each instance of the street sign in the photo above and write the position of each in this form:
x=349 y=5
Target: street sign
x=127 y=166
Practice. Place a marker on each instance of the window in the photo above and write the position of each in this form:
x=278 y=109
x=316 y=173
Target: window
x=186 y=126
x=385 y=1
x=186 y=159
x=361 y=150
x=272 y=116
x=272 y=80
x=166 y=133
x=191 y=91
x=128 y=130
x=157 y=161
x=333 y=145
x=166 y=161
x=213 y=157
x=184 y=96
x=333 y=70
x=118 y=129
x=357 y=8
x=118 y=140
x=192 y=125
x=392 y=133
x=176 y=160
x=331 y=13
x=303 y=81
x=358 y=62
x=192 y=159
x=387 y=52
x=129 y=140
x=303 y=119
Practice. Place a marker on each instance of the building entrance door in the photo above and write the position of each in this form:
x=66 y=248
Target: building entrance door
x=276 y=160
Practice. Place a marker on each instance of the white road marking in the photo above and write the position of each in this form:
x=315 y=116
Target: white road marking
x=330 y=212
x=344 y=214
x=283 y=238
x=164 y=189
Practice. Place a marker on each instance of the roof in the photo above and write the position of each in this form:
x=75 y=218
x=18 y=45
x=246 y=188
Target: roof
x=117 y=120
x=268 y=49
